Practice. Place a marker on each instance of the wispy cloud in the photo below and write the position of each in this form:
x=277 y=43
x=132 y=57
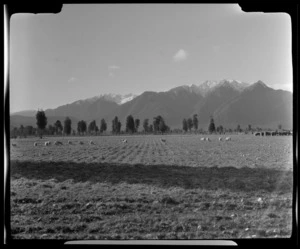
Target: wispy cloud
x=180 y=55
x=113 y=67
x=72 y=79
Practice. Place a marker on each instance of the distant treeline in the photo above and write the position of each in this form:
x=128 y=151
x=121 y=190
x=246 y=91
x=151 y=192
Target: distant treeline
x=132 y=126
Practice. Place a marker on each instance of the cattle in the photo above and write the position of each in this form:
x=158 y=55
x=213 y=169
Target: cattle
x=124 y=141
x=35 y=144
x=57 y=143
x=91 y=142
x=207 y=139
x=257 y=134
x=80 y=142
x=220 y=139
x=47 y=143
x=163 y=140
x=14 y=145
x=69 y=142
x=202 y=139
x=228 y=139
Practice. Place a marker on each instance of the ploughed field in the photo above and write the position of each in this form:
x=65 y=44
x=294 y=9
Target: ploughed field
x=183 y=188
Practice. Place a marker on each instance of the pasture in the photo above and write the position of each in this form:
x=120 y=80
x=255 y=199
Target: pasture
x=147 y=188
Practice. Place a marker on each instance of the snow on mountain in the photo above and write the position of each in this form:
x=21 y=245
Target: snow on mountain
x=210 y=85
x=206 y=87
x=237 y=85
x=117 y=98
x=127 y=98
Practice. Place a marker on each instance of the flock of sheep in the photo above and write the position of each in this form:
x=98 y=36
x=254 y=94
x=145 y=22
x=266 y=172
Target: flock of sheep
x=91 y=142
x=47 y=143
x=220 y=139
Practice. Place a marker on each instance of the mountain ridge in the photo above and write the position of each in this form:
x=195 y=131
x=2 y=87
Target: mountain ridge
x=210 y=98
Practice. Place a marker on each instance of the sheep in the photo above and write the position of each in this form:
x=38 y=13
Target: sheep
x=202 y=139
x=58 y=143
x=220 y=139
x=69 y=142
x=35 y=144
x=228 y=139
x=13 y=144
x=124 y=141
x=163 y=140
x=91 y=142
x=47 y=143
x=207 y=139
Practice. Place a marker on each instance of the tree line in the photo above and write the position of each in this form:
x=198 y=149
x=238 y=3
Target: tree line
x=132 y=125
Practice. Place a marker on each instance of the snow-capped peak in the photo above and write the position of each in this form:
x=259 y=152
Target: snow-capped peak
x=127 y=98
x=118 y=98
x=209 y=85
x=236 y=84
x=231 y=81
x=205 y=87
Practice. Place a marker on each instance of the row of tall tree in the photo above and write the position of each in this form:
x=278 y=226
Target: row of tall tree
x=132 y=125
x=188 y=124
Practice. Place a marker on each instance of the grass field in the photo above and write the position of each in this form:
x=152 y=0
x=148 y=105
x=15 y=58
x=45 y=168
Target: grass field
x=145 y=189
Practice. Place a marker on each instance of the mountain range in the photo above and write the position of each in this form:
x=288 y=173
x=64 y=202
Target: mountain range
x=229 y=102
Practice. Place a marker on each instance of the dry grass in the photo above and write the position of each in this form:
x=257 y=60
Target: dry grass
x=125 y=196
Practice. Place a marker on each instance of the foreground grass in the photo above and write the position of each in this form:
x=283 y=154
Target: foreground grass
x=104 y=201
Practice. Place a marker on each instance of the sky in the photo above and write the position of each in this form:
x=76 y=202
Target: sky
x=93 y=49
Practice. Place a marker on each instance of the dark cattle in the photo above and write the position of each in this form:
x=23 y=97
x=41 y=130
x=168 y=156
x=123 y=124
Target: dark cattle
x=257 y=134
